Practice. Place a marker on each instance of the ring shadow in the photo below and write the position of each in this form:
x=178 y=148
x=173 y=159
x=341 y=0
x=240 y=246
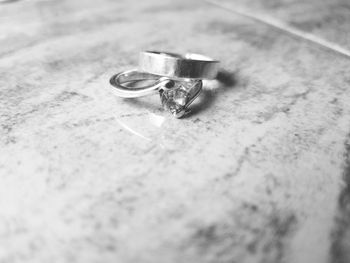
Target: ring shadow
x=225 y=80
x=141 y=102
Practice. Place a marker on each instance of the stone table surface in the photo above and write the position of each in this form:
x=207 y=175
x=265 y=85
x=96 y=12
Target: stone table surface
x=258 y=172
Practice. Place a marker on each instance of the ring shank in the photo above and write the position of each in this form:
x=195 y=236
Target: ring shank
x=124 y=83
x=134 y=75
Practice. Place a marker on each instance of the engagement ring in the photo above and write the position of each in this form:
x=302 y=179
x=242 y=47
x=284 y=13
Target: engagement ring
x=177 y=78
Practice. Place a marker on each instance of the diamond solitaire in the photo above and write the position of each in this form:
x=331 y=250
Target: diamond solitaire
x=176 y=96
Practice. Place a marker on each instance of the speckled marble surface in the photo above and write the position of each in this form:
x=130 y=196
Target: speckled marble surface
x=259 y=172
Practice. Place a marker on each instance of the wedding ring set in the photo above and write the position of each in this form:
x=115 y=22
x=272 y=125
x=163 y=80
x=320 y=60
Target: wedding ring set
x=177 y=78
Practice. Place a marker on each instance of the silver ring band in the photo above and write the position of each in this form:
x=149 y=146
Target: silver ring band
x=127 y=83
x=172 y=65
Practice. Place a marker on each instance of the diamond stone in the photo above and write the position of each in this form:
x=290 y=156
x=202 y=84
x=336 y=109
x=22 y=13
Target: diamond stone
x=179 y=96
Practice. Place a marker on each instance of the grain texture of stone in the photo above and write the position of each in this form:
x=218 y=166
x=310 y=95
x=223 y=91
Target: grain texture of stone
x=254 y=174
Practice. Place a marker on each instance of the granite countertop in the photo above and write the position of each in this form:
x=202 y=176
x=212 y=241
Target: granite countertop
x=258 y=172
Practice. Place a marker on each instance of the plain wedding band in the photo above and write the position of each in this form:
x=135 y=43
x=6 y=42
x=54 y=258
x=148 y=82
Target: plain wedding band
x=173 y=65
